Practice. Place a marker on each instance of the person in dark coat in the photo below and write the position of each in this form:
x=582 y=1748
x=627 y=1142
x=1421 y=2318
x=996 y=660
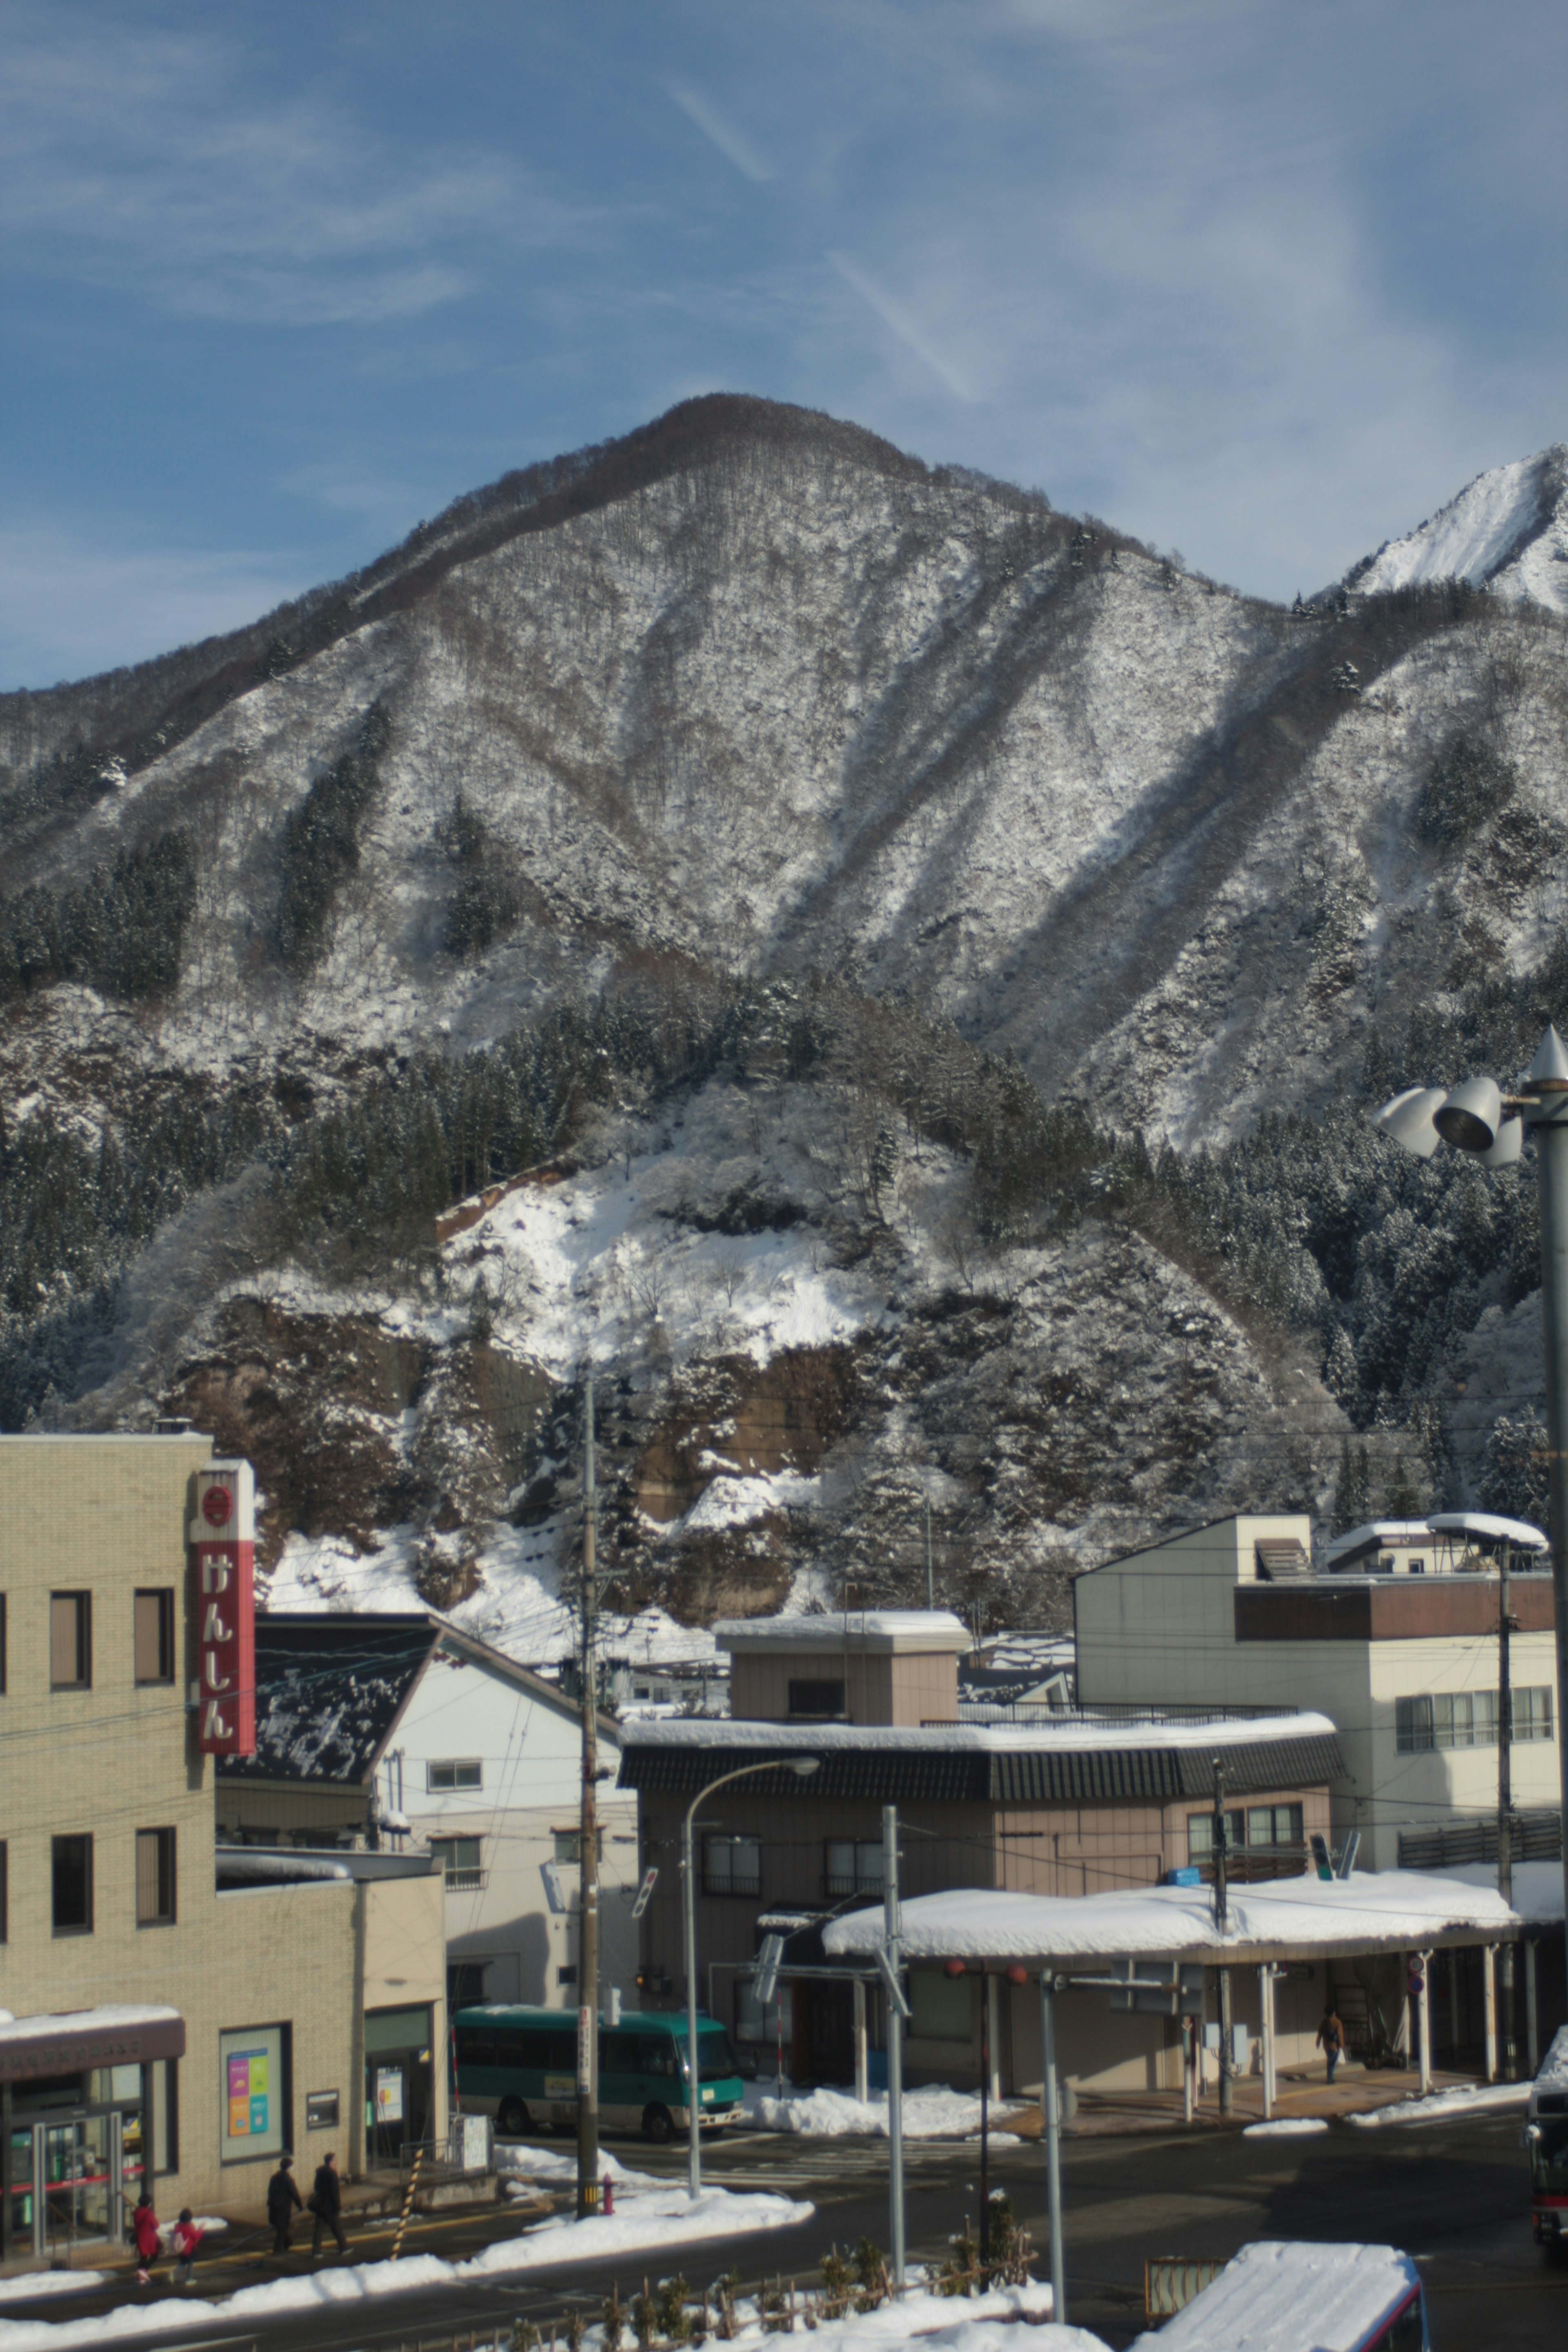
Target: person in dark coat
x=283 y=2201
x=327 y=2205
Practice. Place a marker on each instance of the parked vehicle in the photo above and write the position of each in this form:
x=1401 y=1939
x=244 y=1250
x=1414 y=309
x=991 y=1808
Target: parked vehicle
x=1546 y=2137
x=1296 y=2297
x=520 y=2066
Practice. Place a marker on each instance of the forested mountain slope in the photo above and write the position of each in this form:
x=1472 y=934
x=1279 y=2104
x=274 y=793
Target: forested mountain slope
x=748 y=761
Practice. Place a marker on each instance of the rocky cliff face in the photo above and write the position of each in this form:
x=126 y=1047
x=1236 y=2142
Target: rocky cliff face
x=752 y=695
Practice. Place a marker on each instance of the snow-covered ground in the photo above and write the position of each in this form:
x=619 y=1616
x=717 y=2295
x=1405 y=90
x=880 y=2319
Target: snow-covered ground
x=931 y=2112
x=27 y=2288
x=653 y=2221
x=1442 y=2107
x=1286 y=2128
x=1505 y=529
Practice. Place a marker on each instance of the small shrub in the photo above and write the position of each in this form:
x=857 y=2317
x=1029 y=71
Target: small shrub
x=838 y=2285
x=645 y=2318
x=674 y=2319
x=613 y=2320
x=960 y=2272
x=874 y=2286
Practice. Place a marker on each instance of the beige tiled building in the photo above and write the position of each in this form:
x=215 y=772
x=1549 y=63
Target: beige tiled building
x=157 y=2023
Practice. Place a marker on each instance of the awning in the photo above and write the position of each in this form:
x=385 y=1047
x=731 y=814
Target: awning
x=34 y=2047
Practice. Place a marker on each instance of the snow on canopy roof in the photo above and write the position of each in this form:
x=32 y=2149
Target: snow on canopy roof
x=976 y=1739
x=833 y=1629
x=1278 y=2296
x=1491 y=1528
x=1397 y=1910
x=1537 y=1887
x=1388 y=1531
x=115 y=2017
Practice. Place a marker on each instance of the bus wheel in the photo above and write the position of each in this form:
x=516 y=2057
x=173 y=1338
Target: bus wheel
x=657 y=2122
x=513 y=2121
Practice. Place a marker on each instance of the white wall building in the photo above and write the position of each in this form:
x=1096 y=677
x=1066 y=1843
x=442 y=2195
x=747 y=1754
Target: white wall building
x=1398 y=1647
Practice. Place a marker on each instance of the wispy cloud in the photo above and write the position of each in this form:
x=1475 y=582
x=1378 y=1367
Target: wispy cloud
x=900 y=322
x=733 y=144
x=112 y=605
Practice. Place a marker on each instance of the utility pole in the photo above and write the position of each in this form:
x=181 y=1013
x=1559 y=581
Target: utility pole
x=1219 y=1921
x=588 y=1857
x=895 y=2043
x=1504 y=1815
x=1548 y=1126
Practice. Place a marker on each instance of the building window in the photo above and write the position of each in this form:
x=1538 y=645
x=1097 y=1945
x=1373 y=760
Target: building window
x=155 y=1637
x=1200 y=1835
x=2 y=1644
x=460 y=1858
x=853 y=1866
x=166 y=2099
x=70 y=1641
x=453 y=1774
x=566 y=1974
x=731 y=1865
x=154 y=1878
x=1468 y=1719
x=72 y=1873
x=1532 y=1715
x=1274 y=1825
x=569 y=1845
x=4 y=1893
x=466 y=1983
x=817 y=1699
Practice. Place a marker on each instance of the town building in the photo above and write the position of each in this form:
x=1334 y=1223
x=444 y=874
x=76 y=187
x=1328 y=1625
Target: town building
x=1068 y=1804
x=403 y=1733
x=165 y=2027
x=1394 y=1640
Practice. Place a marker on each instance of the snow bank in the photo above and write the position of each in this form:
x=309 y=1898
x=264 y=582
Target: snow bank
x=666 y=2218
x=1286 y=2128
x=1387 y=1909
x=29 y=2287
x=1441 y=2106
x=986 y=2322
x=932 y=2112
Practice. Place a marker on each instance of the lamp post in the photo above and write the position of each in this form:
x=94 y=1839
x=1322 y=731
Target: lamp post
x=1478 y=1118
x=803 y=1766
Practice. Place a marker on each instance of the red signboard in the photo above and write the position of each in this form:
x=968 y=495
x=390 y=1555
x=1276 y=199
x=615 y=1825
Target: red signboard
x=223 y=1537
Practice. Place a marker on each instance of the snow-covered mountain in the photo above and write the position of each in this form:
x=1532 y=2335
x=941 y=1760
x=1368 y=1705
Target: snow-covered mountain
x=1507 y=530
x=750 y=701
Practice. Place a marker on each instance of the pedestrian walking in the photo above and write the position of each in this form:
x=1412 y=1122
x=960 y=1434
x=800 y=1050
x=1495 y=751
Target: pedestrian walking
x=149 y=2238
x=183 y=2240
x=1330 y=2039
x=283 y=2201
x=327 y=2205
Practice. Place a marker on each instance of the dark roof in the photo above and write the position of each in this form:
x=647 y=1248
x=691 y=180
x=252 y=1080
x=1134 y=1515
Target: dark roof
x=888 y=1775
x=329 y=1689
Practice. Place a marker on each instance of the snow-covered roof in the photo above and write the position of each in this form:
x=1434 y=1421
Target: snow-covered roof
x=1489 y=1529
x=1380 y=1531
x=979 y=1738
x=1397 y=1910
x=877 y=1629
x=1537 y=1887
x=113 y=2017
x=1259 y=2301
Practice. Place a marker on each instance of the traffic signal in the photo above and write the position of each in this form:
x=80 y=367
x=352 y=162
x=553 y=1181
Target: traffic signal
x=1417 y=1981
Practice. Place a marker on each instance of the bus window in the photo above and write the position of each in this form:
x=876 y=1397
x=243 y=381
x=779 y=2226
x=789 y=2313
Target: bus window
x=657 y=2054
x=1404 y=2332
x=716 y=2060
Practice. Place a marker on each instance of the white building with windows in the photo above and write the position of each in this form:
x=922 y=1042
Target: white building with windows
x=404 y=1732
x=1395 y=1640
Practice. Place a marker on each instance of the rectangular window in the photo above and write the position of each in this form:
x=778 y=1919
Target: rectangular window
x=1532 y=1715
x=454 y=1773
x=460 y=1859
x=853 y=1866
x=4 y=1893
x=1413 y=1725
x=1457 y=1719
x=154 y=1637
x=154 y=1878
x=72 y=1873
x=816 y=1699
x=70 y=1641
x=166 y=2075
x=466 y=1983
x=1274 y=1825
x=1200 y=1835
x=2 y=1644
x=253 y=2092
x=731 y=1865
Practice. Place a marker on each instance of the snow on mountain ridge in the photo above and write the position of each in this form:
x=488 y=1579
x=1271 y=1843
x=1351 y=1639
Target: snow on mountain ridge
x=1508 y=530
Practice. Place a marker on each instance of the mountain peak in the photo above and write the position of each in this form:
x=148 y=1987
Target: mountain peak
x=1507 y=530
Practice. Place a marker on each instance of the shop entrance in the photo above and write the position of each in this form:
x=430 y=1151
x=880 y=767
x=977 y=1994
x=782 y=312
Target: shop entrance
x=71 y=2179
x=398 y=2105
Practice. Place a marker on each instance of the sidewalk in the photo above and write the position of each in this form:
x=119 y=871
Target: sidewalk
x=1302 y=2093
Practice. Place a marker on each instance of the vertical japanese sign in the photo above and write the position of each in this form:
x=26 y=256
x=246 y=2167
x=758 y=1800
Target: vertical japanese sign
x=223 y=1539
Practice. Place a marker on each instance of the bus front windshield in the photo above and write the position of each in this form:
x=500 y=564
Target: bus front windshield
x=716 y=2060
x=1549 y=2157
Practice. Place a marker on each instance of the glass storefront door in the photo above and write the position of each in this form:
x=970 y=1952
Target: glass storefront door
x=76 y=2176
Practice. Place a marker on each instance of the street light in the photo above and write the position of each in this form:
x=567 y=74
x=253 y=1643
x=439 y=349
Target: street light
x=803 y=1766
x=1477 y=1118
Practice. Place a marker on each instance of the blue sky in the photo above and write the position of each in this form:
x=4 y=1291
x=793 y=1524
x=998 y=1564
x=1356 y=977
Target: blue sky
x=1262 y=282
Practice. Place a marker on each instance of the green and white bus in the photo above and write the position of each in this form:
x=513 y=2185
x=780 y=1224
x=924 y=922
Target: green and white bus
x=520 y=2066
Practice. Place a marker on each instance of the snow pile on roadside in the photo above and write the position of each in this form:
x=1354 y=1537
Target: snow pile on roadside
x=1438 y=2105
x=29 y=2287
x=652 y=2223
x=516 y=2155
x=932 y=2112
x=1286 y=2128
